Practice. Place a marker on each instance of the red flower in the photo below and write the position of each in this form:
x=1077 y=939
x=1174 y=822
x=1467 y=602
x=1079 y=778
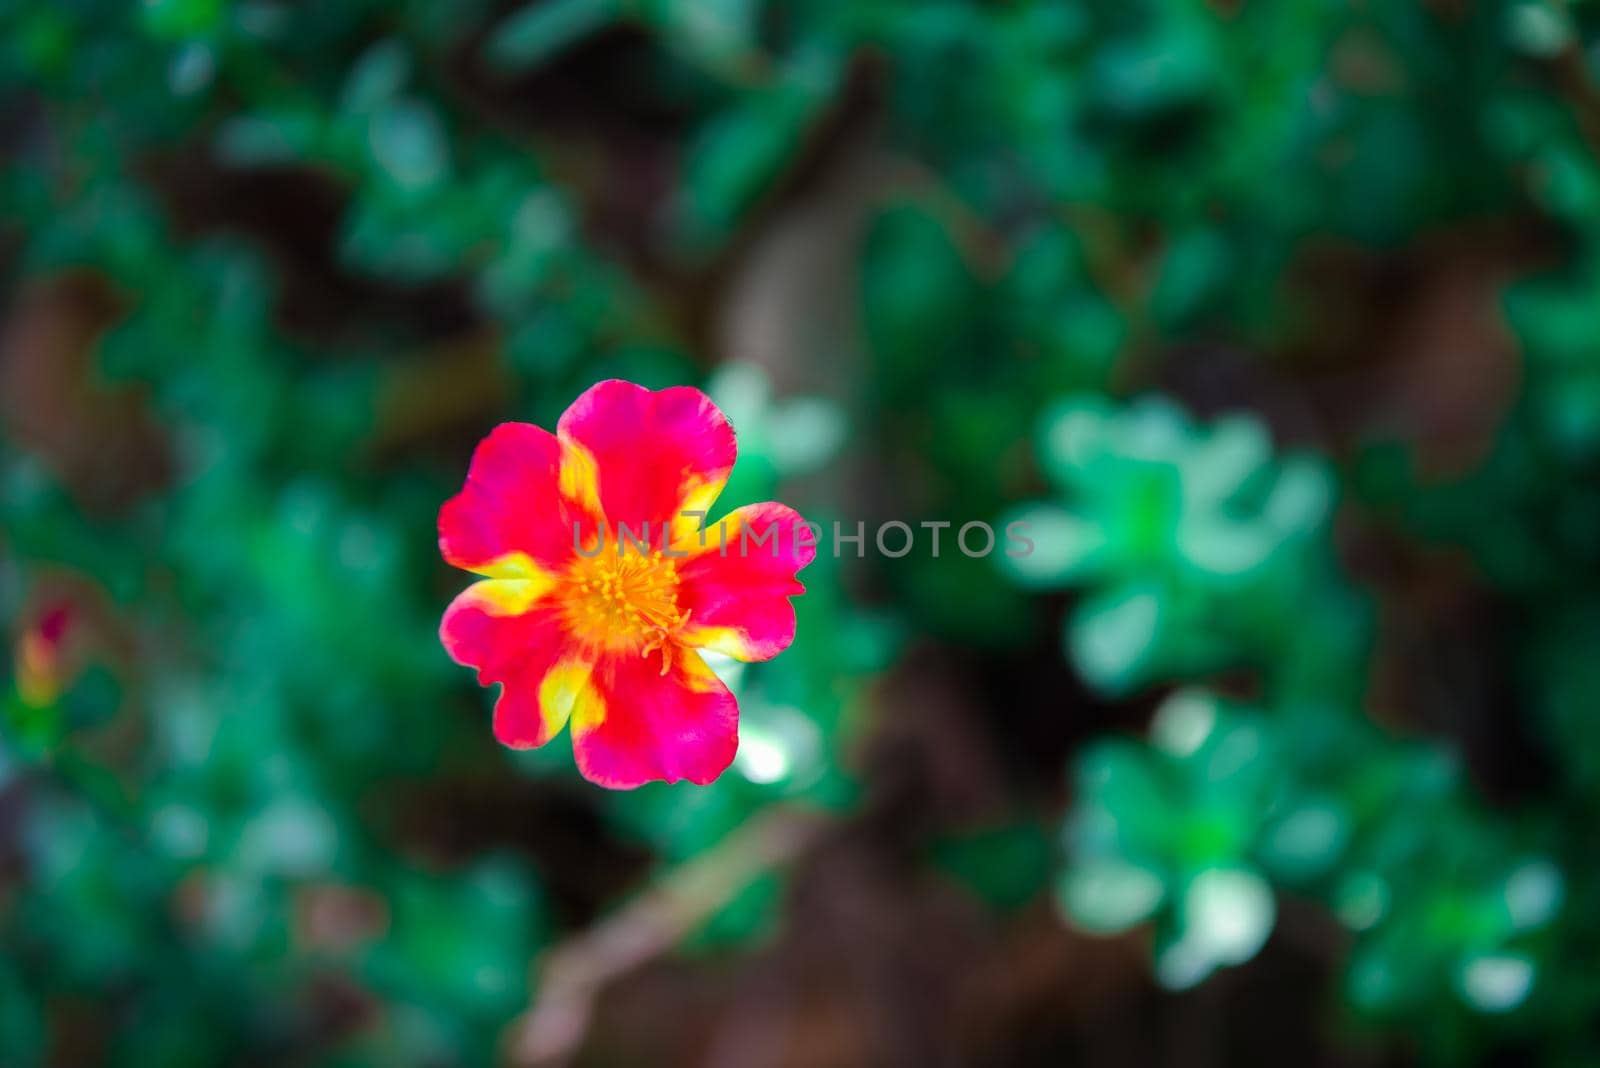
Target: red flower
x=45 y=658
x=601 y=583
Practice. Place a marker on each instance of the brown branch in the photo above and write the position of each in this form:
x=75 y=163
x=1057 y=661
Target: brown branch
x=571 y=976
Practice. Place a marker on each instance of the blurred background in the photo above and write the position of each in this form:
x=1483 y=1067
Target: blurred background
x=1279 y=322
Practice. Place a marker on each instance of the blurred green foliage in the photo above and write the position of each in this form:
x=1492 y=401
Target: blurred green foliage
x=271 y=267
x=1198 y=545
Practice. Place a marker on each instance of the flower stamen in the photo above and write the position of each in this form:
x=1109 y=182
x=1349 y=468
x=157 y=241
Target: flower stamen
x=625 y=602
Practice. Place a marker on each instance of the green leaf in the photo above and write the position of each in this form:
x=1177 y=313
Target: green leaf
x=1227 y=915
x=1064 y=549
x=1106 y=895
x=542 y=29
x=1113 y=637
x=409 y=143
x=177 y=19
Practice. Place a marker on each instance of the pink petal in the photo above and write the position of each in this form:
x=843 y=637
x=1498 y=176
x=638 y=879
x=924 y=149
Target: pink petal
x=510 y=517
x=737 y=586
x=513 y=635
x=653 y=455
x=648 y=726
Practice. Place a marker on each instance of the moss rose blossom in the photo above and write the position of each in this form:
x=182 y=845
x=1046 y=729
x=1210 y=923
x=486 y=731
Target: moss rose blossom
x=600 y=584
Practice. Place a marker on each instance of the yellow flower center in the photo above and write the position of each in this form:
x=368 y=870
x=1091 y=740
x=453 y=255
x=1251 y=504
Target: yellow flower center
x=625 y=602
